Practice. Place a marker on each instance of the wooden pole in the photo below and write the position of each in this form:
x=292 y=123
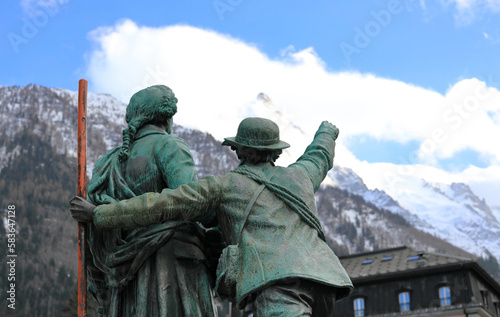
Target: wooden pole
x=82 y=192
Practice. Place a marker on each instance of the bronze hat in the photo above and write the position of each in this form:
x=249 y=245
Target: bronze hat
x=257 y=133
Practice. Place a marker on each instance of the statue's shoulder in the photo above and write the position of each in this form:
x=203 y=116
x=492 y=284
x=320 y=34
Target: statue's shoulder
x=161 y=141
x=171 y=141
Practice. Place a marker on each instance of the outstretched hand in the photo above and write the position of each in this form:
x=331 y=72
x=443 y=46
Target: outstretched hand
x=332 y=127
x=81 y=209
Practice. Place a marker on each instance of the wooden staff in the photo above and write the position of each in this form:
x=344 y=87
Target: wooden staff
x=82 y=192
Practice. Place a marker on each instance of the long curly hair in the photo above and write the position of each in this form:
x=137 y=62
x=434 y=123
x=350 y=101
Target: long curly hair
x=153 y=105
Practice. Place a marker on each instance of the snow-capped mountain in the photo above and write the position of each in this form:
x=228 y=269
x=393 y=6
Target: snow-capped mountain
x=449 y=211
x=52 y=114
x=346 y=179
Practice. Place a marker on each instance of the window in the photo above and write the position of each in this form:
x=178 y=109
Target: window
x=404 y=301
x=367 y=261
x=484 y=295
x=444 y=295
x=415 y=257
x=387 y=258
x=359 y=307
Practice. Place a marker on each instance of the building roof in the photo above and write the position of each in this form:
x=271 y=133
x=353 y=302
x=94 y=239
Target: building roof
x=377 y=264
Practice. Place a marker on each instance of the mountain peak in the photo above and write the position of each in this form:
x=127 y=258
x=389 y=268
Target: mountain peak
x=264 y=98
x=461 y=189
x=346 y=179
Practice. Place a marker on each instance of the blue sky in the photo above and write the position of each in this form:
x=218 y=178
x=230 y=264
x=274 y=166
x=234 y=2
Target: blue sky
x=400 y=75
x=431 y=47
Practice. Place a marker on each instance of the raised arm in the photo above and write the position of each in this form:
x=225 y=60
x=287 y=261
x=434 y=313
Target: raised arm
x=317 y=159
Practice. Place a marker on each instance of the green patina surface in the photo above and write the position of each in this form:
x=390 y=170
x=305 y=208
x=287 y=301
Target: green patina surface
x=279 y=239
x=159 y=269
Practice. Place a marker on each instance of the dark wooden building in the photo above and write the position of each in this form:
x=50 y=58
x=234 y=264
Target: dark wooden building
x=405 y=282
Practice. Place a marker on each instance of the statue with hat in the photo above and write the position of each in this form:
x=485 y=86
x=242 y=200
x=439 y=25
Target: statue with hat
x=277 y=257
x=159 y=269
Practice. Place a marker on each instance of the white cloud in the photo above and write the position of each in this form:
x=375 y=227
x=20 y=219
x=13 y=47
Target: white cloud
x=465 y=12
x=493 y=37
x=468 y=10
x=217 y=78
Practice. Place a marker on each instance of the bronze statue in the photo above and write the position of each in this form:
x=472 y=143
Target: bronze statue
x=277 y=257
x=159 y=269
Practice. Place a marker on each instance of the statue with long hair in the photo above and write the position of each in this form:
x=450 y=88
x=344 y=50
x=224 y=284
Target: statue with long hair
x=160 y=269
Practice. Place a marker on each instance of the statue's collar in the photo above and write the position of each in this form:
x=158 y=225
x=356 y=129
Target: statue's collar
x=149 y=129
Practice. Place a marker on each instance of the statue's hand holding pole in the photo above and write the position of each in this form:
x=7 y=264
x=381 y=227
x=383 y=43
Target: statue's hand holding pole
x=81 y=209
